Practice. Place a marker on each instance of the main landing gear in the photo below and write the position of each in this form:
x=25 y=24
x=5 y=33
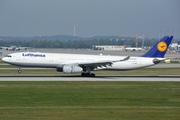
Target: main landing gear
x=87 y=72
x=19 y=71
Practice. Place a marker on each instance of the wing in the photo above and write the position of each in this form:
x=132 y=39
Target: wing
x=102 y=63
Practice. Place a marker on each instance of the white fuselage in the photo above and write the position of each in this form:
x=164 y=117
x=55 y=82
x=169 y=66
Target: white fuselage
x=57 y=60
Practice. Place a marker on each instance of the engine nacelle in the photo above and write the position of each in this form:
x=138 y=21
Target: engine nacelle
x=71 y=69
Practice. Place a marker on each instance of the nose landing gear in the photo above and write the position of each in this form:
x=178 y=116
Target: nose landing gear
x=19 y=71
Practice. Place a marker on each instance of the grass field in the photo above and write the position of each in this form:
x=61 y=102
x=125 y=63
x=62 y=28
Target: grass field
x=90 y=100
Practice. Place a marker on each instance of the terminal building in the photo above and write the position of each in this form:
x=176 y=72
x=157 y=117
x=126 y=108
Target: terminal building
x=107 y=47
x=174 y=46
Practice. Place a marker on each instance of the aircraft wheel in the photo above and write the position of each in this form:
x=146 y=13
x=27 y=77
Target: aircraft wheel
x=19 y=71
x=92 y=75
x=88 y=74
x=83 y=74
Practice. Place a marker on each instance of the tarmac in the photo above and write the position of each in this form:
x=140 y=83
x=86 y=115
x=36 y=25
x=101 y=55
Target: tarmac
x=169 y=78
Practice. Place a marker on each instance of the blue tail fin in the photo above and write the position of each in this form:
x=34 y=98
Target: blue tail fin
x=160 y=48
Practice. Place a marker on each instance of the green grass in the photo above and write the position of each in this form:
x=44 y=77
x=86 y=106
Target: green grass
x=175 y=62
x=90 y=100
x=1 y=61
x=8 y=66
x=90 y=114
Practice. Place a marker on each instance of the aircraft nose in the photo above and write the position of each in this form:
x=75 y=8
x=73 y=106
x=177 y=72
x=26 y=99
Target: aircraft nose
x=4 y=59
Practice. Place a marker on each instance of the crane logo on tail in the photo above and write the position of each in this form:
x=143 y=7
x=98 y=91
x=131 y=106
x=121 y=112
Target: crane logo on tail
x=162 y=46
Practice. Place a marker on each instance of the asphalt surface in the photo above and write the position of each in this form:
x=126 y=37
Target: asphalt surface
x=97 y=78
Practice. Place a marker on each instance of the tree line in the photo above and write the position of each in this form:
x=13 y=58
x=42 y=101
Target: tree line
x=75 y=43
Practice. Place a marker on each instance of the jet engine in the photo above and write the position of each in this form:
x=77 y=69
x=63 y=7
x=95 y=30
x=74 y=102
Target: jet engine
x=71 y=69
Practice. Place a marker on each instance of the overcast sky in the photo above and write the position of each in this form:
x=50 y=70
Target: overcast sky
x=91 y=17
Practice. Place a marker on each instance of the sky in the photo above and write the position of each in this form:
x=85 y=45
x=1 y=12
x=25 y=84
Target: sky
x=91 y=17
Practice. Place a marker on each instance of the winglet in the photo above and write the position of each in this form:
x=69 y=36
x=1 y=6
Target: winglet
x=126 y=58
x=160 y=48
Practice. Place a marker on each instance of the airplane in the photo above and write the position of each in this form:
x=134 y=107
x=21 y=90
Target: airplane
x=133 y=48
x=84 y=64
x=14 y=48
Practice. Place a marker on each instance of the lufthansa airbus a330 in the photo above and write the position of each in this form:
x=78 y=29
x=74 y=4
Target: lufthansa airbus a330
x=84 y=64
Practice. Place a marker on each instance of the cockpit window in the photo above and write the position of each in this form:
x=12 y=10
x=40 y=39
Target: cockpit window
x=8 y=56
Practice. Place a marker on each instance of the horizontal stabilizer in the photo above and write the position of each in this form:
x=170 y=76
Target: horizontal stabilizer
x=156 y=61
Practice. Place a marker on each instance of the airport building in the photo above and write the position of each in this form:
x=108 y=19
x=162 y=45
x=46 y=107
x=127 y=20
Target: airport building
x=174 y=46
x=107 y=47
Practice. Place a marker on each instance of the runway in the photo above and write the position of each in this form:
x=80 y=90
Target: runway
x=97 y=78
